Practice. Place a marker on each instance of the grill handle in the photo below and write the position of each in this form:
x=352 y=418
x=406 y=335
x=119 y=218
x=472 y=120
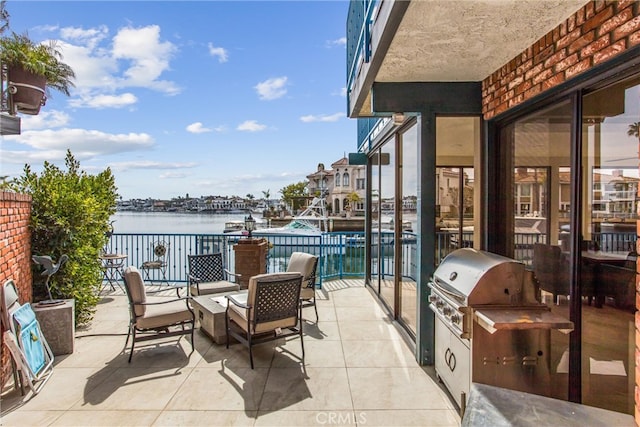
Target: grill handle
x=453 y=295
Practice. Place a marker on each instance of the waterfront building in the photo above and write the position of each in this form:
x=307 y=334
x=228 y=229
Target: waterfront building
x=525 y=109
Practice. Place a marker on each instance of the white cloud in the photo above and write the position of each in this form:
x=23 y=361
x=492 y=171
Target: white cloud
x=343 y=92
x=45 y=120
x=322 y=118
x=342 y=41
x=133 y=58
x=251 y=126
x=104 y=101
x=83 y=143
x=220 y=52
x=148 y=55
x=150 y=164
x=197 y=127
x=273 y=88
x=173 y=175
x=89 y=37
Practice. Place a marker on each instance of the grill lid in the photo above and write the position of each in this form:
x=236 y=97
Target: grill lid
x=480 y=277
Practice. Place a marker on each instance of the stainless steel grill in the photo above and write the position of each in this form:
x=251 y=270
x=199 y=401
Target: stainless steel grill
x=490 y=324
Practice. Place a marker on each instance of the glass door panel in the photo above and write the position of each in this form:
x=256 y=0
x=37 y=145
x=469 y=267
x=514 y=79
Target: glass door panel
x=409 y=218
x=541 y=144
x=610 y=121
x=387 y=214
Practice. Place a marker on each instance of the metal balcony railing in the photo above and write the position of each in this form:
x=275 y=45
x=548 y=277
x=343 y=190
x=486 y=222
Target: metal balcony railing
x=341 y=254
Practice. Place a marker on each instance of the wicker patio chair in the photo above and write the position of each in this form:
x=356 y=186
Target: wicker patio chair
x=207 y=275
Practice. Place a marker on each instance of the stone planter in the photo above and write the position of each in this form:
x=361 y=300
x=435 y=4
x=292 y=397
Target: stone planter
x=57 y=323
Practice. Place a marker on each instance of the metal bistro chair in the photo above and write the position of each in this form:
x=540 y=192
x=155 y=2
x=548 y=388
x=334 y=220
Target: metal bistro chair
x=207 y=275
x=268 y=311
x=159 y=257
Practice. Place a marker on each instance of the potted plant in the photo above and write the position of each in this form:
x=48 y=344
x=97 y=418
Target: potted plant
x=32 y=70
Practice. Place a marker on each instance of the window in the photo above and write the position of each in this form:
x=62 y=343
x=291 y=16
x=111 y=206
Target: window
x=345 y=179
x=337 y=180
x=360 y=184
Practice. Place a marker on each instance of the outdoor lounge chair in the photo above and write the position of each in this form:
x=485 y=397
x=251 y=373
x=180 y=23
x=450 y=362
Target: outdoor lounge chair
x=207 y=275
x=305 y=264
x=32 y=358
x=155 y=318
x=268 y=311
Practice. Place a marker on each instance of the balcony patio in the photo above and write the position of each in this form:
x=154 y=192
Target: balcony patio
x=358 y=370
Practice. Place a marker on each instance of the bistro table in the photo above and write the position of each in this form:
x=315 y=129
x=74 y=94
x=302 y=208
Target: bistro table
x=113 y=270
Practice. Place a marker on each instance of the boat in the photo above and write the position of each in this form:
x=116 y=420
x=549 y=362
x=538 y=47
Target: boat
x=233 y=226
x=311 y=222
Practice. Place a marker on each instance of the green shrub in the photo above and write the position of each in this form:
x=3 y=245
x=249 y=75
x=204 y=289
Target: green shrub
x=70 y=215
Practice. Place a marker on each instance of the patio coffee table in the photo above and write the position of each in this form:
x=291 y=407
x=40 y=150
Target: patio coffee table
x=209 y=310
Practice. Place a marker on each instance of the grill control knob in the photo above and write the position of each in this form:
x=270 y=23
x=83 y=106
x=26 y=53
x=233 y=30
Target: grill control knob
x=433 y=298
x=455 y=318
x=439 y=303
x=446 y=311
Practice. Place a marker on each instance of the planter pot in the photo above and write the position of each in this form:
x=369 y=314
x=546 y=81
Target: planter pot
x=27 y=90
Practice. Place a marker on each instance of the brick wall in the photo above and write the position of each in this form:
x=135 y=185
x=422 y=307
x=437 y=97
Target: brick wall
x=595 y=33
x=15 y=252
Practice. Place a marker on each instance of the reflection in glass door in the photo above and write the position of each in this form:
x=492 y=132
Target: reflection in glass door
x=541 y=145
x=609 y=213
x=386 y=220
x=408 y=250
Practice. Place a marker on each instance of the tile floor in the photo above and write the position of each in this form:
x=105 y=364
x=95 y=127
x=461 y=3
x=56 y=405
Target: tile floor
x=358 y=371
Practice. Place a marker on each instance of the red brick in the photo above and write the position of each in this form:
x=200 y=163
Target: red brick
x=516 y=100
x=627 y=28
x=523 y=87
x=526 y=65
x=589 y=10
x=542 y=76
x=533 y=71
x=615 y=22
x=581 y=42
x=609 y=52
x=578 y=68
x=535 y=90
x=515 y=82
x=569 y=38
x=556 y=57
x=621 y=4
x=501 y=108
x=594 y=47
x=571 y=22
x=569 y=61
x=597 y=19
x=552 y=81
x=634 y=39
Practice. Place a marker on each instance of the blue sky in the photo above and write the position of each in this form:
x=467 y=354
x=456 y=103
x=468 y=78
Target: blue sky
x=204 y=98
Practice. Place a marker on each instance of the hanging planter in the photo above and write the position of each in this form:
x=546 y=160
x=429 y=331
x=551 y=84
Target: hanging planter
x=27 y=90
x=32 y=70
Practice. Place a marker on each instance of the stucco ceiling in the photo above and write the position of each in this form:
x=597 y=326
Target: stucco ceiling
x=448 y=40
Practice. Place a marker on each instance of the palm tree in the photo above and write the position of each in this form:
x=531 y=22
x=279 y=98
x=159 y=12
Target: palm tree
x=634 y=130
x=4 y=16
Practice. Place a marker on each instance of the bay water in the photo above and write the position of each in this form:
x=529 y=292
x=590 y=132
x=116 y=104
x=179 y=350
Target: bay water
x=171 y=222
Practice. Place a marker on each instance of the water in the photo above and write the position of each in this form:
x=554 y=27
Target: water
x=171 y=222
